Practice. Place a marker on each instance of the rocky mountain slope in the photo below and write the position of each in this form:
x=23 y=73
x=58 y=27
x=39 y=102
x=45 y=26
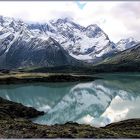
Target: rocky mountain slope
x=128 y=60
x=89 y=43
x=124 y=44
x=83 y=43
x=55 y=43
x=19 y=47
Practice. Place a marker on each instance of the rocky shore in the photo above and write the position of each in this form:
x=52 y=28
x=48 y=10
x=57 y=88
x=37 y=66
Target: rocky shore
x=15 y=123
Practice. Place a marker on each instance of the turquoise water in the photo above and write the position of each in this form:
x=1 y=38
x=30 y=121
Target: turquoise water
x=114 y=98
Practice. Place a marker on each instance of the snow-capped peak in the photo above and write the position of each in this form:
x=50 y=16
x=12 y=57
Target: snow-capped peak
x=83 y=43
x=127 y=43
x=62 y=20
x=93 y=27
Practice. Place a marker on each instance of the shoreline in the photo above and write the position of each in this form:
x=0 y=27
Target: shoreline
x=19 y=78
x=16 y=124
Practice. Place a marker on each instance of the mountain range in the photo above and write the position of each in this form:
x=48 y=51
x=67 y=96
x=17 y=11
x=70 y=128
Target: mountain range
x=58 y=42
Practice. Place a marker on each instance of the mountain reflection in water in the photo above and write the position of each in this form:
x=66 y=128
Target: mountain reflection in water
x=114 y=98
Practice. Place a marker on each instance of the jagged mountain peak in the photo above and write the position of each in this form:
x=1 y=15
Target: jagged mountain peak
x=81 y=42
x=62 y=20
x=66 y=23
x=125 y=40
x=89 y=43
x=93 y=27
x=23 y=45
x=10 y=21
x=126 y=43
x=94 y=31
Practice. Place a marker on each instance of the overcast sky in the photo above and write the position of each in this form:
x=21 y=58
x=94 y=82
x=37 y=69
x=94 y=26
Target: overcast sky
x=118 y=19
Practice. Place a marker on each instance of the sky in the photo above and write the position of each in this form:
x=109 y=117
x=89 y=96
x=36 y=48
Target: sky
x=118 y=20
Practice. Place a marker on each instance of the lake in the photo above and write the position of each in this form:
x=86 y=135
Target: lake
x=114 y=98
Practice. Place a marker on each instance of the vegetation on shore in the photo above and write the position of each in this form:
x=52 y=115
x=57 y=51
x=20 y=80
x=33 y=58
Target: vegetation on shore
x=15 y=123
x=22 y=77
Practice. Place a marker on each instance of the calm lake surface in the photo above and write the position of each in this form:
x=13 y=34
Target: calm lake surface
x=115 y=97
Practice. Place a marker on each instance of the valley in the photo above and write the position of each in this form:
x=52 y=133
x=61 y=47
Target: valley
x=64 y=80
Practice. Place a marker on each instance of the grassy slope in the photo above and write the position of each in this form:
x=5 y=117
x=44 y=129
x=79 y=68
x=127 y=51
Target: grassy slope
x=128 y=60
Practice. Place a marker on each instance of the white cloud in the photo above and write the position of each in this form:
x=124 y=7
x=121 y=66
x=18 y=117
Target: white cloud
x=117 y=19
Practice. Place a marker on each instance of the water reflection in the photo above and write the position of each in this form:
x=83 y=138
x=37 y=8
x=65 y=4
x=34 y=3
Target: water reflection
x=39 y=96
x=96 y=103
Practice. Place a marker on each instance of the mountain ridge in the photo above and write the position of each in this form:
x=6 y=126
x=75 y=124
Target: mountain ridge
x=78 y=43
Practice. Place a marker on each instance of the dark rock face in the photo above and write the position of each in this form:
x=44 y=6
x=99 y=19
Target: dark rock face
x=22 y=47
x=16 y=110
x=37 y=52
